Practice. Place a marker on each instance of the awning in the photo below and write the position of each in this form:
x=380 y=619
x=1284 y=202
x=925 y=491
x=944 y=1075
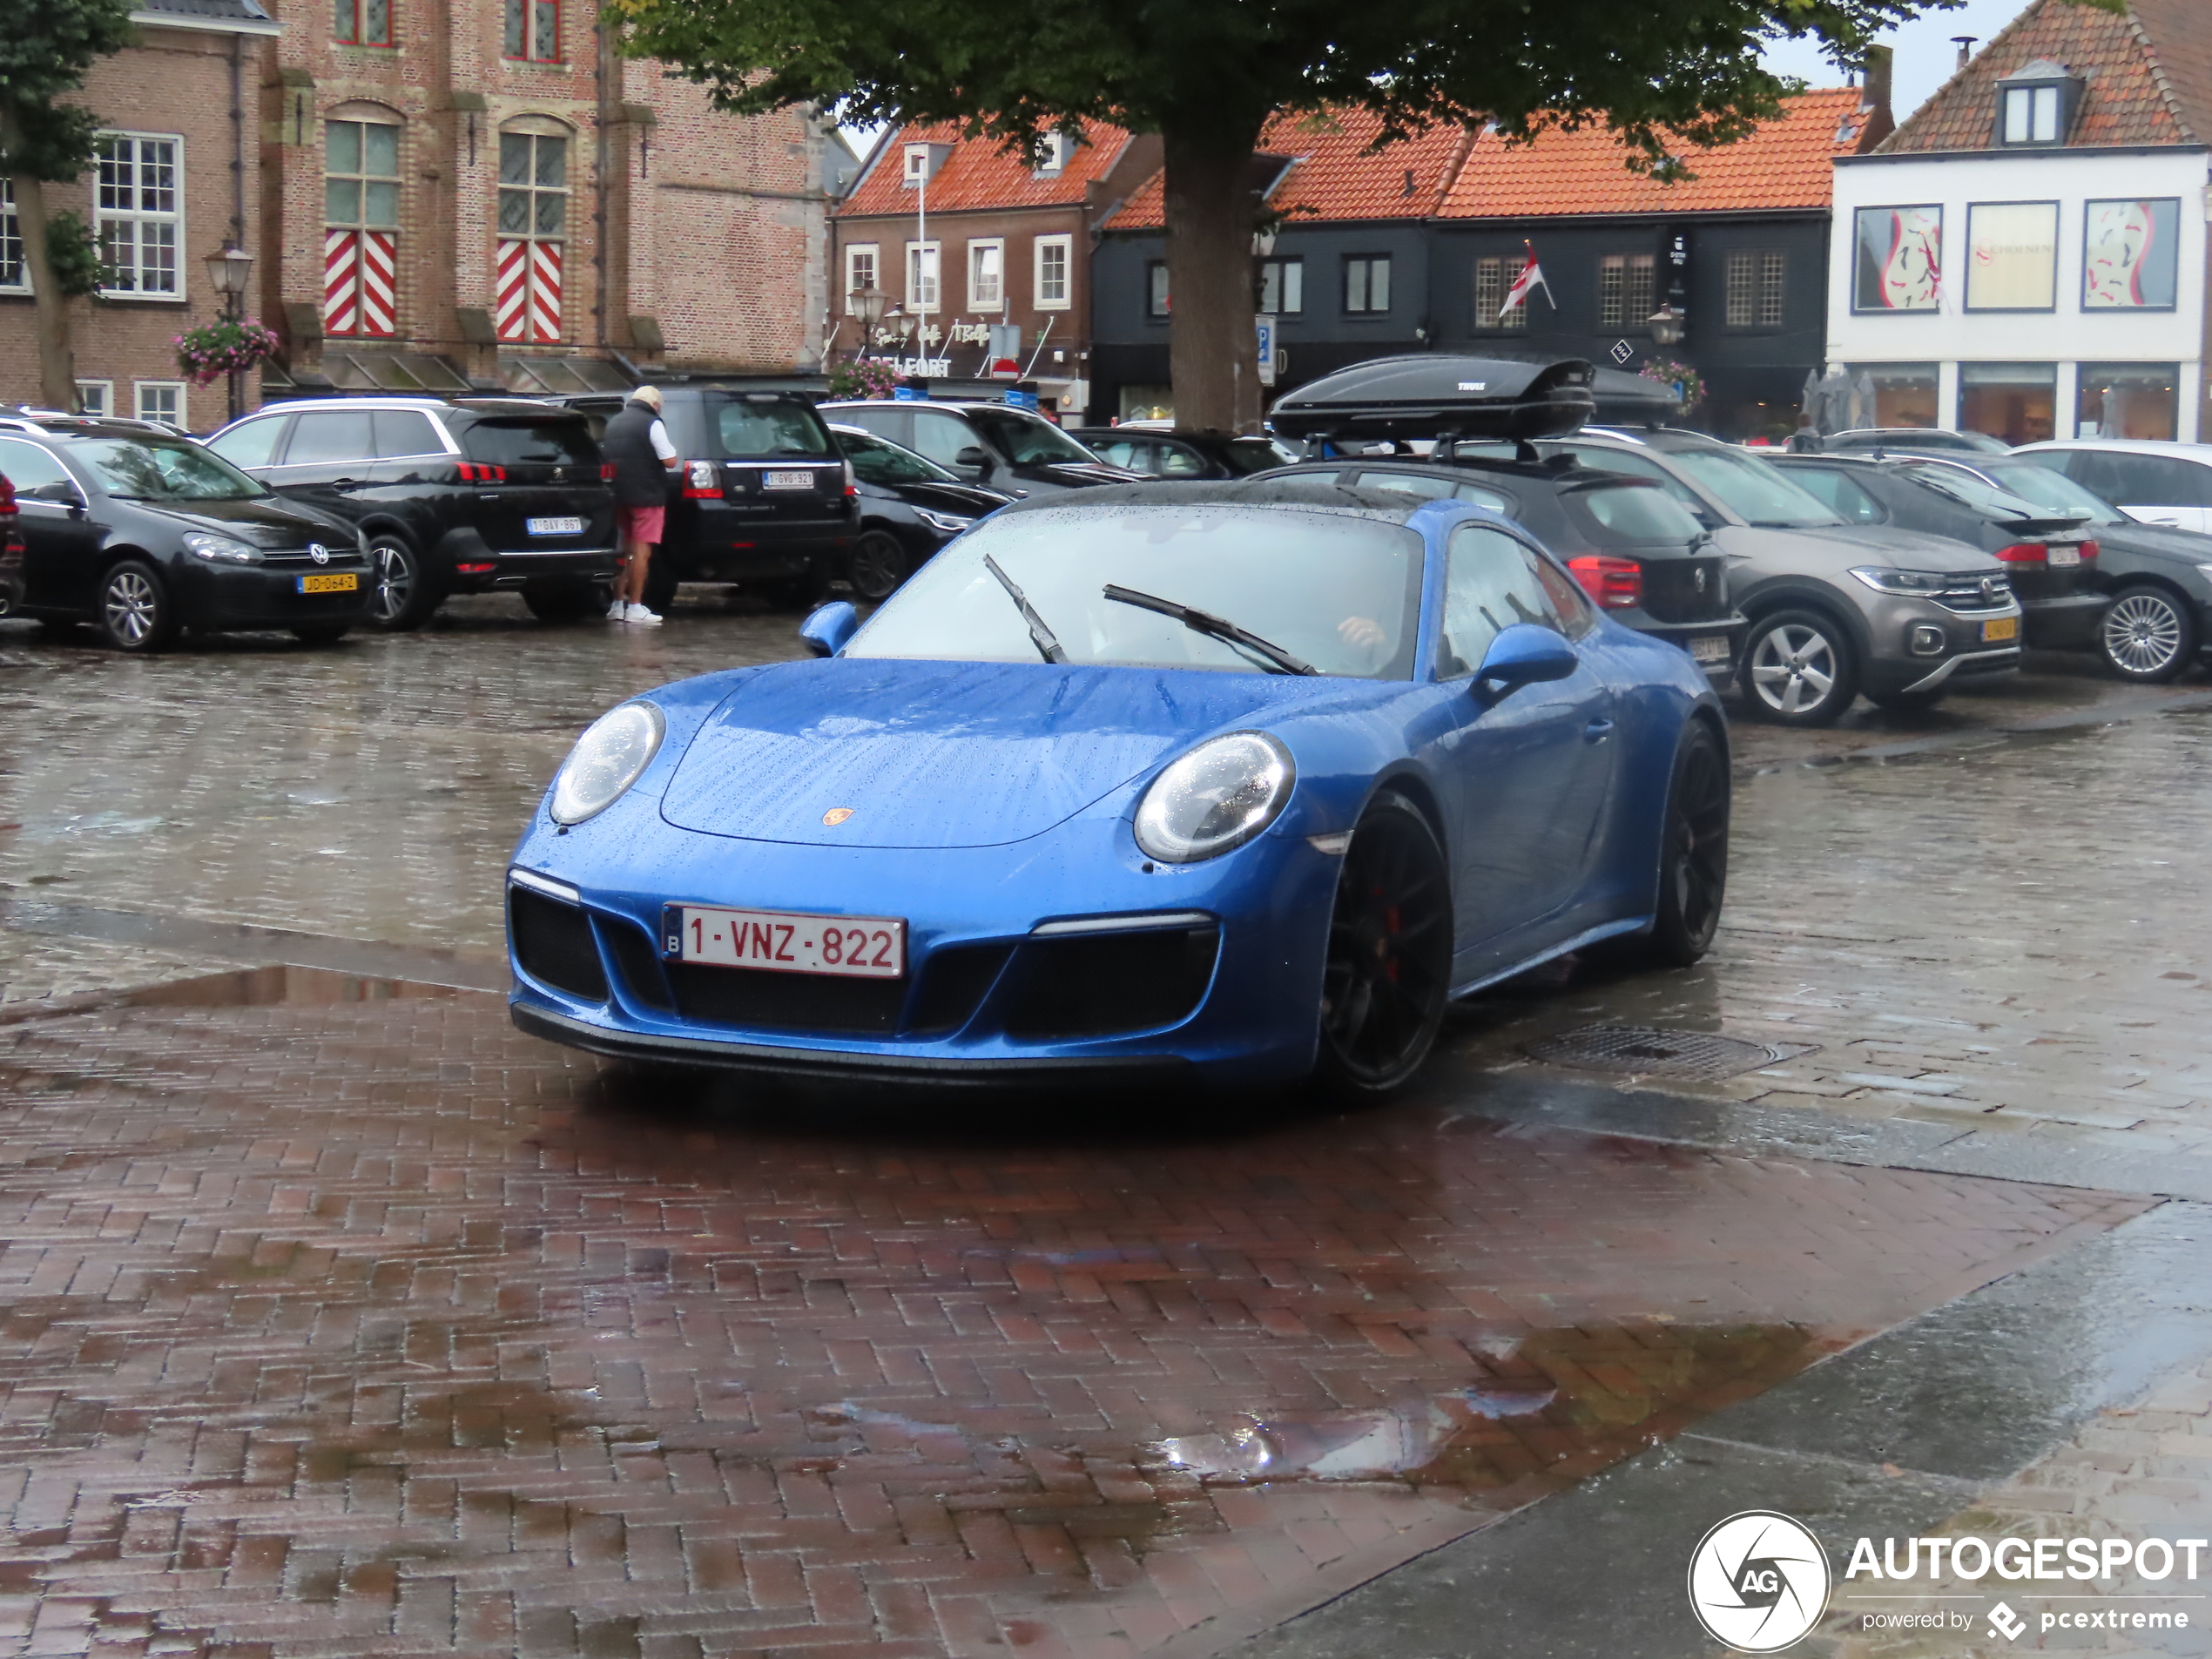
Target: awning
x=396 y=371
x=541 y=374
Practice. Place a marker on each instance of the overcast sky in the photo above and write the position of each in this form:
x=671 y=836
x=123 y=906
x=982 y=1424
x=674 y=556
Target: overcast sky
x=1926 y=55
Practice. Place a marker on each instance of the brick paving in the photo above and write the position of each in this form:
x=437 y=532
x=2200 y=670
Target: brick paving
x=358 y=1323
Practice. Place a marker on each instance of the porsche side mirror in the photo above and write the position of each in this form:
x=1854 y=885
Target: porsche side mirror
x=828 y=628
x=1523 y=655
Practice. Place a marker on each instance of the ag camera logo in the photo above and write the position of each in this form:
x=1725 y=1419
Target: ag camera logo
x=1758 y=1581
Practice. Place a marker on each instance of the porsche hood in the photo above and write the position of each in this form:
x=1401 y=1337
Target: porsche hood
x=881 y=753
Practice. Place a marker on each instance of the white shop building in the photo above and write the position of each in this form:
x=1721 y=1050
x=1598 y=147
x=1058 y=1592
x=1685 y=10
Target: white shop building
x=2027 y=255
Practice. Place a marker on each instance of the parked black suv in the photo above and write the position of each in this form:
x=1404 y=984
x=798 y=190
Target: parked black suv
x=1010 y=450
x=763 y=499
x=456 y=496
x=144 y=534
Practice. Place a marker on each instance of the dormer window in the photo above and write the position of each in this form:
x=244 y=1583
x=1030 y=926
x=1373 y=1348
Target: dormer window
x=2036 y=105
x=1053 y=154
x=917 y=164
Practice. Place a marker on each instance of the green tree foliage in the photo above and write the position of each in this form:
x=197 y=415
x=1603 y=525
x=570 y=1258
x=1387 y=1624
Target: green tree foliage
x=46 y=48
x=1666 y=75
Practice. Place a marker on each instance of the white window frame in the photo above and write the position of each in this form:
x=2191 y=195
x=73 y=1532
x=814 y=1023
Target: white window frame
x=138 y=390
x=2035 y=102
x=106 y=390
x=855 y=251
x=924 y=277
x=978 y=298
x=11 y=231
x=1054 y=157
x=175 y=218
x=1066 y=244
x=917 y=164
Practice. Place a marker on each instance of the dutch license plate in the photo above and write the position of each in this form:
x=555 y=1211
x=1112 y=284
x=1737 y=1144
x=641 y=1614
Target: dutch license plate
x=786 y=941
x=2062 y=556
x=2001 y=628
x=554 y=526
x=1709 y=648
x=787 y=480
x=336 y=581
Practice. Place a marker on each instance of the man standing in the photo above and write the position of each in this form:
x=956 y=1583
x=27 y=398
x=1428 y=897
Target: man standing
x=638 y=444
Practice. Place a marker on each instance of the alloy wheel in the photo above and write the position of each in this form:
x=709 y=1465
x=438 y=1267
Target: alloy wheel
x=879 y=565
x=1793 y=668
x=2142 y=634
x=394 y=581
x=1387 y=972
x=131 y=607
x=1698 y=841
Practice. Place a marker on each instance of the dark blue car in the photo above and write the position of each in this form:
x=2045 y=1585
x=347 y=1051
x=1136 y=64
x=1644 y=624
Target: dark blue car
x=1240 y=779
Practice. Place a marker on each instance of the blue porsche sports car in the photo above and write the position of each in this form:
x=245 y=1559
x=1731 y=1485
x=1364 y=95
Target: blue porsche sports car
x=1240 y=781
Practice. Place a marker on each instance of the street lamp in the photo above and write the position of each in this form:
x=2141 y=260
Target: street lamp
x=1666 y=325
x=866 y=306
x=228 y=272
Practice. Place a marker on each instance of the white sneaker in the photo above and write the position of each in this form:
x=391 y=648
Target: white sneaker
x=616 y=611
x=639 y=615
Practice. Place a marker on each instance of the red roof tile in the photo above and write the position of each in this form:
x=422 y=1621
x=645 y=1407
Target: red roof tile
x=1337 y=174
x=983 y=172
x=1783 y=164
x=2147 y=78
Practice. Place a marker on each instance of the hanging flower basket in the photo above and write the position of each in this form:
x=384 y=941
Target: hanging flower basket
x=206 y=355
x=1680 y=379
x=863 y=377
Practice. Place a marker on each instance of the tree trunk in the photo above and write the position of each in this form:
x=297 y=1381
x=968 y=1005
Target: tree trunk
x=57 y=362
x=1213 y=355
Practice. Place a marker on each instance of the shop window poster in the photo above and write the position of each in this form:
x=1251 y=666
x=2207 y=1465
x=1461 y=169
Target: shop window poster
x=1900 y=259
x=2127 y=255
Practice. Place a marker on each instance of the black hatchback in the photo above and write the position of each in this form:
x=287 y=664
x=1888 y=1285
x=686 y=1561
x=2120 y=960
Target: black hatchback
x=909 y=507
x=1011 y=450
x=144 y=535
x=455 y=494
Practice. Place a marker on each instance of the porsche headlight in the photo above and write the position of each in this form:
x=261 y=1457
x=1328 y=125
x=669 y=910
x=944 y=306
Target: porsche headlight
x=609 y=758
x=1217 y=797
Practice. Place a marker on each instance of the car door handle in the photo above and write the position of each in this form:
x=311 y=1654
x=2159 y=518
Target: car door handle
x=1597 y=731
x=344 y=483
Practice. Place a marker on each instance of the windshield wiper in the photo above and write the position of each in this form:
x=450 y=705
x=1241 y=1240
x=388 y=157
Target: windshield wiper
x=1204 y=622
x=1047 y=647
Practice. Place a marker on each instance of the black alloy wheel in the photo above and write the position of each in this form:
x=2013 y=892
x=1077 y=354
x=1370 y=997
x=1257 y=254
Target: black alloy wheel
x=135 y=614
x=401 y=595
x=1693 y=860
x=878 y=565
x=1800 y=668
x=2148 y=636
x=1388 y=971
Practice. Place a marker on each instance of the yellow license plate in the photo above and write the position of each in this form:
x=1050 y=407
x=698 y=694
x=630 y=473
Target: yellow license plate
x=2001 y=628
x=336 y=581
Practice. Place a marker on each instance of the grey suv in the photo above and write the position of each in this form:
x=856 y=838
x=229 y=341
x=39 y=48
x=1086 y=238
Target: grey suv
x=1835 y=609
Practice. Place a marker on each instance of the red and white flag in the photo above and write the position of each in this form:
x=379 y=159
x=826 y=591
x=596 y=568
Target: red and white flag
x=1531 y=277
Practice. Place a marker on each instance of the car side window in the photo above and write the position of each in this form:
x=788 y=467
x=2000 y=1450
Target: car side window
x=327 y=435
x=1119 y=452
x=1405 y=483
x=941 y=437
x=1177 y=461
x=1492 y=582
x=1482 y=497
x=2153 y=481
x=250 y=443
x=1840 y=495
x=31 y=469
x=1638 y=466
x=405 y=432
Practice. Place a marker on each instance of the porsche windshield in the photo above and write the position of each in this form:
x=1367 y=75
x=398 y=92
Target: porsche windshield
x=1338 y=590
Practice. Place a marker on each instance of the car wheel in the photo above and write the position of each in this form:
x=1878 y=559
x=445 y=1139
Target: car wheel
x=2148 y=636
x=662 y=580
x=878 y=565
x=135 y=612
x=568 y=601
x=1800 y=669
x=1388 y=970
x=401 y=595
x=1693 y=860
x=320 y=633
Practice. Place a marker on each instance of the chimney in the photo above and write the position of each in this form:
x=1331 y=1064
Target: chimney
x=1874 y=99
x=1965 y=45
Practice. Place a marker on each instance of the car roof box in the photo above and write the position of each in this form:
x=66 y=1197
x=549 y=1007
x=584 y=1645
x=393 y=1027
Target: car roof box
x=1433 y=396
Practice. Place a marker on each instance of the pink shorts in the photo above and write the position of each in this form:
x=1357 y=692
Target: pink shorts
x=635 y=524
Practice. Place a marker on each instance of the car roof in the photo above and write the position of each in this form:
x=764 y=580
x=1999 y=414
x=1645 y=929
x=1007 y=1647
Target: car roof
x=499 y=406
x=1560 y=471
x=85 y=426
x=1264 y=491
x=2125 y=446
x=928 y=402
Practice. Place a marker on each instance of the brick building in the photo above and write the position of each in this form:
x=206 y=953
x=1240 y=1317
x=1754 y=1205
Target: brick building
x=440 y=195
x=966 y=238
x=174 y=173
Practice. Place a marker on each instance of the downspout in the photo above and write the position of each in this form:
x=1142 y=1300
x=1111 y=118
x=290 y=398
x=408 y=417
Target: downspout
x=238 y=142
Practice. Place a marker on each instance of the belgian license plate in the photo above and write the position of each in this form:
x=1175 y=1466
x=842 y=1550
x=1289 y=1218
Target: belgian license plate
x=336 y=581
x=785 y=941
x=2001 y=628
x=2062 y=556
x=787 y=480
x=1709 y=648
x=554 y=526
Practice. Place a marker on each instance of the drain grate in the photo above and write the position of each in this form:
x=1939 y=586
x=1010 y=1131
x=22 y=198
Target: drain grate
x=1649 y=1050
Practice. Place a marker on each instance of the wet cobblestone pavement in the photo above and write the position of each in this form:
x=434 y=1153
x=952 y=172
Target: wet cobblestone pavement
x=341 y=1319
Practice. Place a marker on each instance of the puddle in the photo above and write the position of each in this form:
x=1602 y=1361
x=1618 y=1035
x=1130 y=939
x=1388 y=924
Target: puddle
x=277 y=985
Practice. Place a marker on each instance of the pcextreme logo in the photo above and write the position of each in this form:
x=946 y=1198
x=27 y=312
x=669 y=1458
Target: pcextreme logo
x=1758 y=1581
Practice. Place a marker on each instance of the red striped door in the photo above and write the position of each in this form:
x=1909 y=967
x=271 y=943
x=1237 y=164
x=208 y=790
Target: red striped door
x=526 y=290
x=341 y=281
x=379 y=283
x=545 y=291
